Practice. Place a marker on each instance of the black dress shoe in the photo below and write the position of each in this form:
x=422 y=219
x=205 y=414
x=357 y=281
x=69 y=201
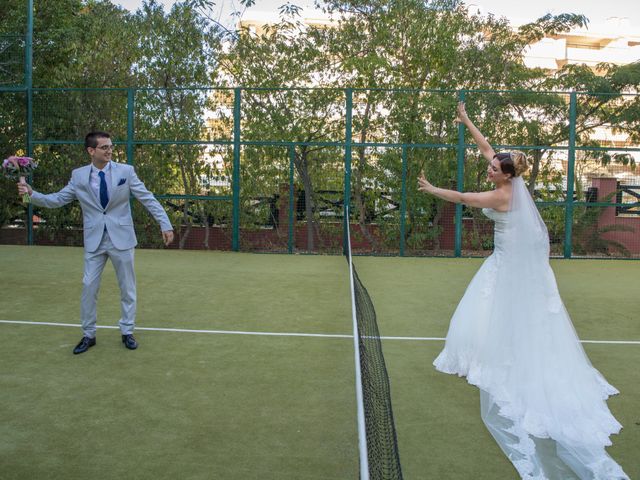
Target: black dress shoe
x=129 y=342
x=84 y=345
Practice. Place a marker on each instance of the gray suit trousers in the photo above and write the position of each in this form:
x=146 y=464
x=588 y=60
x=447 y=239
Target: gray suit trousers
x=94 y=263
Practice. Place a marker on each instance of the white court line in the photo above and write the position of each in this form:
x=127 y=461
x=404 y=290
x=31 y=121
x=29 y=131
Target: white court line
x=276 y=334
x=184 y=330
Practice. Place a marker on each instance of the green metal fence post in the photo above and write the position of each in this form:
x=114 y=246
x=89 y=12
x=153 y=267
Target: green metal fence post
x=235 y=243
x=403 y=200
x=292 y=155
x=347 y=160
x=568 y=214
x=28 y=84
x=460 y=183
x=131 y=92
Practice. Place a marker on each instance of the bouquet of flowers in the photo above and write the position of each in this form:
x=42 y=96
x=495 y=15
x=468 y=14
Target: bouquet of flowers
x=17 y=168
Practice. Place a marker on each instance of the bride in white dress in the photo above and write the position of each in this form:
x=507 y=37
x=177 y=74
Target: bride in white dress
x=511 y=336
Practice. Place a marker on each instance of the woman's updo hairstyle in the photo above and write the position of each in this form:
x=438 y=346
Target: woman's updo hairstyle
x=513 y=163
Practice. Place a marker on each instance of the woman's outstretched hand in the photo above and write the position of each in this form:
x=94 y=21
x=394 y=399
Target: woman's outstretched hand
x=462 y=113
x=423 y=184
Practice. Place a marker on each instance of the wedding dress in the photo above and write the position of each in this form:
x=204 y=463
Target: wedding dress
x=511 y=336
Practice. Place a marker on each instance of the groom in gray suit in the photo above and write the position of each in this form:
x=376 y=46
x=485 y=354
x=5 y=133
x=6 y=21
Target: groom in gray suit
x=103 y=189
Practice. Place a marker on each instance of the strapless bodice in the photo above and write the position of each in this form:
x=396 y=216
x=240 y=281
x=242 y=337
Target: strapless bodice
x=499 y=227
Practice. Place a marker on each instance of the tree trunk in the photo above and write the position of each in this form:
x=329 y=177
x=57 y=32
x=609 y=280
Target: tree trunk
x=535 y=170
x=185 y=208
x=187 y=177
x=303 y=171
x=207 y=229
x=187 y=222
x=357 y=186
x=436 y=221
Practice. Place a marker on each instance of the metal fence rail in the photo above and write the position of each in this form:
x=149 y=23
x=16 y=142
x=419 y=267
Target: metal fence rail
x=257 y=177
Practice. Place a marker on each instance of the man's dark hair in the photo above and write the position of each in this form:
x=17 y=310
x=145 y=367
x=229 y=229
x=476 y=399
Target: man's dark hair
x=91 y=140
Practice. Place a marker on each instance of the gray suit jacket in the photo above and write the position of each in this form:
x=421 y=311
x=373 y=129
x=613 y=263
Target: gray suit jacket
x=116 y=217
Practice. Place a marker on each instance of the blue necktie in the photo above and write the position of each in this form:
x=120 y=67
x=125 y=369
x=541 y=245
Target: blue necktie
x=104 y=196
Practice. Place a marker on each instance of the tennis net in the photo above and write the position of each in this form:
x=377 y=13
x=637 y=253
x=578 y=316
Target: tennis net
x=379 y=456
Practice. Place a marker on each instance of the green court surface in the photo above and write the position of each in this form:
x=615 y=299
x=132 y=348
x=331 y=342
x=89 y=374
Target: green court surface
x=203 y=405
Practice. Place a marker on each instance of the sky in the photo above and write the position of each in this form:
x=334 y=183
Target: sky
x=598 y=11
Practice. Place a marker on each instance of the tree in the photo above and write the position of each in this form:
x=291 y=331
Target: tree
x=440 y=47
x=426 y=51
x=278 y=64
x=175 y=49
x=96 y=44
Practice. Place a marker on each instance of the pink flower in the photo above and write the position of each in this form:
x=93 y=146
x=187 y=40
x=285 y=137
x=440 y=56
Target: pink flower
x=22 y=164
x=14 y=161
x=19 y=167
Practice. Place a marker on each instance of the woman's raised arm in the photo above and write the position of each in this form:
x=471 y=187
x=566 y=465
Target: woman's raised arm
x=486 y=149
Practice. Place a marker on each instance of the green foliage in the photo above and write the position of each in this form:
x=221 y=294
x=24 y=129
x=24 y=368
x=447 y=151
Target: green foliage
x=97 y=44
x=428 y=51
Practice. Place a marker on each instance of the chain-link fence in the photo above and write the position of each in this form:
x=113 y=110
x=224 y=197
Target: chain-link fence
x=12 y=55
x=271 y=169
